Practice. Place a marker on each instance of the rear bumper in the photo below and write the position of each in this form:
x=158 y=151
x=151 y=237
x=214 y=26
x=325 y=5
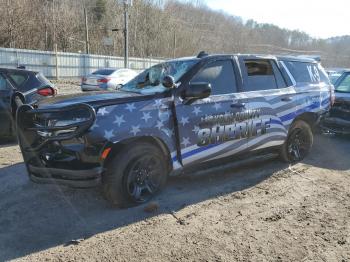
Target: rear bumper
x=85 y=87
x=72 y=178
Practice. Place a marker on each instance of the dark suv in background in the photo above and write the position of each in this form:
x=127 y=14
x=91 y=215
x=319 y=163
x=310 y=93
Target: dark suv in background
x=30 y=86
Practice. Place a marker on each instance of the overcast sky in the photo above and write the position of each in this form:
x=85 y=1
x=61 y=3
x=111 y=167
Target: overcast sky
x=320 y=19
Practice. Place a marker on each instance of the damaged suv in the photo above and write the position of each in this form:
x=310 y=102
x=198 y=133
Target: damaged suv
x=173 y=116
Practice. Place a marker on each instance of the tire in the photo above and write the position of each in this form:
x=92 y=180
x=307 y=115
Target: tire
x=135 y=175
x=298 y=143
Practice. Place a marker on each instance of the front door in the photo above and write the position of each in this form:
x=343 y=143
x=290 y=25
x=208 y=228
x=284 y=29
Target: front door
x=208 y=129
x=5 y=106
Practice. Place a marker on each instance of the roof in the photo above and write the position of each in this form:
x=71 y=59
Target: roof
x=4 y=69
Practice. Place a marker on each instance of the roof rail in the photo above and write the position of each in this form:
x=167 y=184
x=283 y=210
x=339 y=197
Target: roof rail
x=202 y=54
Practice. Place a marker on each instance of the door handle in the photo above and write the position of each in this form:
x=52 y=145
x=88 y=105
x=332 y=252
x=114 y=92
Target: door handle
x=287 y=99
x=238 y=105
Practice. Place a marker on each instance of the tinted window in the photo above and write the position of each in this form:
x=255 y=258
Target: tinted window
x=344 y=85
x=281 y=83
x=220 y=75
x=18 y=78
x=3 y=83
x=260 y=75
x=306 y=72
x=104 y=72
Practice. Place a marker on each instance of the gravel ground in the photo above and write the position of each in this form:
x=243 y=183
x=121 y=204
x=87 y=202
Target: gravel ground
x=271 y=212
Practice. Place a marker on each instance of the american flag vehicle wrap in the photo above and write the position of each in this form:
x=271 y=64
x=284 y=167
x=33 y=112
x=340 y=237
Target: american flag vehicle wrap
x=174 y=116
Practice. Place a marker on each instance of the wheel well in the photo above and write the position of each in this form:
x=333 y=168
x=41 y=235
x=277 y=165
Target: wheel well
x=120 y=146
x=309 y=118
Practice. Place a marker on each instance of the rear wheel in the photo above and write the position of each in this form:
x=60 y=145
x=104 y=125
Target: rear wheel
x=135 y=175
x=298 y=143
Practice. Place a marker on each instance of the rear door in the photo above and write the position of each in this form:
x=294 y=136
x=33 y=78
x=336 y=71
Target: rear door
x=269 y=101
x=207 y=128
x=5 y=105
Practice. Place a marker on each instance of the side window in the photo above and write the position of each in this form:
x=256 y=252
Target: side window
x=3 y=83
x=220 y=75
x=18 y=78
x=281 y=83
x=304 y=72
x=260 y=75
x=344 y=85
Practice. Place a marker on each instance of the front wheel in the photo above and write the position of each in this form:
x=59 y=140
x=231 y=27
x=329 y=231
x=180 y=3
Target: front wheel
x=298 y=144
x=135 y=175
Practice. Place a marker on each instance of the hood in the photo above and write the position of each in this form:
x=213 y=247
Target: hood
x=94 y=99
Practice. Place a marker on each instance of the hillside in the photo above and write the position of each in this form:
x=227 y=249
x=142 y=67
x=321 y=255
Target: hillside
x=158 y=28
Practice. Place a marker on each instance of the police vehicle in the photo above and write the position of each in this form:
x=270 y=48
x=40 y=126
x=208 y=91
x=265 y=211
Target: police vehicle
x=175 y=115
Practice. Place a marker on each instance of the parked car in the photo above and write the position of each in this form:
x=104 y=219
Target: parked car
x=30 y=86
x=176 y=115
x=107 y=79
x=338 y=120
x=335 y=73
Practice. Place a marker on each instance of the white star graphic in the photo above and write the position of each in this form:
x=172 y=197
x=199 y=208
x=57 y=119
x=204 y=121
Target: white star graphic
x=184 y=121
x=135 y=130
x=196 y=111
x=146 y=116
x=95 y=125
x=168 y=132
x=185 y=141
x=102 y=111
x=217 y=106
x=130 y=107
x=119 y=120
x=108 y=134
x=196 y=129
x=164 y=115
x=158 y=103
x=159 y=124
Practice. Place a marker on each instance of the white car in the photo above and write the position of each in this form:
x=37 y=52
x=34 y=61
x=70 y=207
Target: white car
x=107 y=79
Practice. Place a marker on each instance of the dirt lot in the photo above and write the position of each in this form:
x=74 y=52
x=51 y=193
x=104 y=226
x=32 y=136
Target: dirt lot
x=271 y=212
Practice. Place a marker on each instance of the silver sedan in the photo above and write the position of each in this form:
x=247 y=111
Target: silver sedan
x=107 y=79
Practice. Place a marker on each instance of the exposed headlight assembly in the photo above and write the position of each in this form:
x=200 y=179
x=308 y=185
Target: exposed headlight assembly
x=62 y=123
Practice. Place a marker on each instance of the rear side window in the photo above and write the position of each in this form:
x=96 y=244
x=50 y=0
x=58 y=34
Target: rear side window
x=304 y=72
x=262 y=74
x=220 y=75
x=18 y=78
x=104 y=72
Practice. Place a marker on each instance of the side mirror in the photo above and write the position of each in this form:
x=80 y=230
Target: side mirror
x=197 y=91
x=168 y=82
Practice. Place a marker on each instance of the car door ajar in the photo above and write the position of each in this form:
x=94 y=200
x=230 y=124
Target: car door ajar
x=209 y=128
x=6 y=92
x=268 y=100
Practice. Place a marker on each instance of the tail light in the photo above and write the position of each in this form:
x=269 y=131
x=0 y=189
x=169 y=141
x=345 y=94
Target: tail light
x=83 y=79
x=47 y=91
x=103 y=80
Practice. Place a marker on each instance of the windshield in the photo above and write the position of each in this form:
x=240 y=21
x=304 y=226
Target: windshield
x=334 y=77
x=150 y=80
x=344 y=85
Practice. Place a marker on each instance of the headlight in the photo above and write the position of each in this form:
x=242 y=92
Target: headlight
x=63 y=123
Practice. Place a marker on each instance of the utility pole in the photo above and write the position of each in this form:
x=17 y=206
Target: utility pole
x=174 y=44
x=87 y=43
x=126 y=34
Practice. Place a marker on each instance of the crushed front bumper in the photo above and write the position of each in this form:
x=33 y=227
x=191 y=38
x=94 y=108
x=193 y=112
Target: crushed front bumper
x=73 y=178
x=53 y=155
